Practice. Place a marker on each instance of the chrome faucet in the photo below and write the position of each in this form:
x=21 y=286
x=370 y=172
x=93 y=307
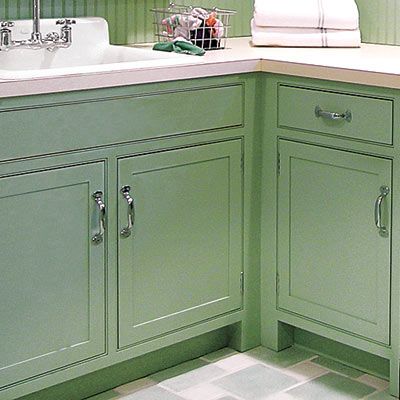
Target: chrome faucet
x=36 y=35
x=51 y=41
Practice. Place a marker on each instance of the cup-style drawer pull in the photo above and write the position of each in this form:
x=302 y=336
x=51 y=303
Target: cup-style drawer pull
x=382 y=229
x=99 y=236
x=126 y=232
x=332 y=116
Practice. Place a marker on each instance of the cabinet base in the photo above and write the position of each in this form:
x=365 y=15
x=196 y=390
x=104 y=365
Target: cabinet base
x=127 y=371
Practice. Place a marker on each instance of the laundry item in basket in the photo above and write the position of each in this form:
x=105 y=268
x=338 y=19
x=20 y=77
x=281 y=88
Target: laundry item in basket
x=181 y=25
x=329 y=14
x=306 y=23
x=198 y=25
x=217 y=26
x=179 y=46
x=207 y=28
x=304 y=37
x=203 y=37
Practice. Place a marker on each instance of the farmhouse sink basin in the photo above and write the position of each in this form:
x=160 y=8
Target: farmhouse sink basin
x=90 y=52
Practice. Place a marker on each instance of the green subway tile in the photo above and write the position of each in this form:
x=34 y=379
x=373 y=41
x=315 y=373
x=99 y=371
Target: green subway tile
x=130 y=21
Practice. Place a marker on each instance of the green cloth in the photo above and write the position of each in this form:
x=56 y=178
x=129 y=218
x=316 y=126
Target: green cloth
x=179 y=47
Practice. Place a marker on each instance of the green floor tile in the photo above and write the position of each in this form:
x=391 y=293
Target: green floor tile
x=255 y=382
x=338 y=367
x=153 y=393
x=282 y=359
x=331 y=387
x=381 y=396
x=105 y=396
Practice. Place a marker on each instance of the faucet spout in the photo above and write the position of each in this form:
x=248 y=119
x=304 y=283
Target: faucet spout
x=36 y=35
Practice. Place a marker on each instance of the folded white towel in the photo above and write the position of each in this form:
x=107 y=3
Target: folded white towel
x=304 y=37
x=329 y=14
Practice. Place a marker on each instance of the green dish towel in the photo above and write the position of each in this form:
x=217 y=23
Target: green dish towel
x=179 y=47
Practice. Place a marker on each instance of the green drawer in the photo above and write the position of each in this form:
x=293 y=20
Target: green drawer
x=359 y=117
x=50 y=124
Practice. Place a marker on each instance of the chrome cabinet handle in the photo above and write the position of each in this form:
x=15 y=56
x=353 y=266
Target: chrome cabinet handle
x=126 y=232
x=98 y=237
x=333 y=116
x=383 y=231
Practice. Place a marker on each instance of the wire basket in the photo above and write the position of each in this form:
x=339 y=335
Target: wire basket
x=207 y=28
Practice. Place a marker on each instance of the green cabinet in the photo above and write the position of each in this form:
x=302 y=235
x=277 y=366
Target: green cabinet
x=52 y=286
x=333 y=263
x=169 y=260
x=181 y=261
x=178 y=249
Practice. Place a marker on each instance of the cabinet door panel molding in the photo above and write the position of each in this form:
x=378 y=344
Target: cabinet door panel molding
x=182 y=262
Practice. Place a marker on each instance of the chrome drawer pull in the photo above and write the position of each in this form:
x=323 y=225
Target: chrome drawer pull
x=333 y=116
x=383 y=231
x=126 y=232
x=98 y=237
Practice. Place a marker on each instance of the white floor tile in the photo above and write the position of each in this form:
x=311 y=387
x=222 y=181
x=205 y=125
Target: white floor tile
x=229 y=375
x=236 y=362
x=193 y=378
x=280 y=396
x=205 y=391
x=219 y=354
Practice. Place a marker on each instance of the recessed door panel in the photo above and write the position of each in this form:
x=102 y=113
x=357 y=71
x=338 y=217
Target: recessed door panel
x=181 y=263
x=334 y=264
x=52 y=275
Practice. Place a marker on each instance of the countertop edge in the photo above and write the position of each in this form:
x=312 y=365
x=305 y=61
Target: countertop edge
x=369 y=65
x=346 y=75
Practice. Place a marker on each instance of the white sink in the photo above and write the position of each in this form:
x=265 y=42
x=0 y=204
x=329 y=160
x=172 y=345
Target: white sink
x=90 y=52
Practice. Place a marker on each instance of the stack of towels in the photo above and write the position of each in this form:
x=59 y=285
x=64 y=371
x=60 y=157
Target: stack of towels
x=306 y=23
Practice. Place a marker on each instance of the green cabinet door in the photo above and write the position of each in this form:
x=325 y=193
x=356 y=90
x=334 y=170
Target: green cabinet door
x=333 y=264
x=52 y=275
x=182 y=262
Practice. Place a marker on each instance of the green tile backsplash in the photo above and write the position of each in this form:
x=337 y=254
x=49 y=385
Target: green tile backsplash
x=130 y=20
x=380 y=21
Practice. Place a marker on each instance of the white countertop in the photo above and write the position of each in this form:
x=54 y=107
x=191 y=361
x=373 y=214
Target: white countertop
x=376 y=65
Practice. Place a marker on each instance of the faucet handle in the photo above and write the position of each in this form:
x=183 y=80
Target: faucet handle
x=6 y=24
x=65 y=22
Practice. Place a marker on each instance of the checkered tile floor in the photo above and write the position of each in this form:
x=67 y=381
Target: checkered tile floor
x=259 y=374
